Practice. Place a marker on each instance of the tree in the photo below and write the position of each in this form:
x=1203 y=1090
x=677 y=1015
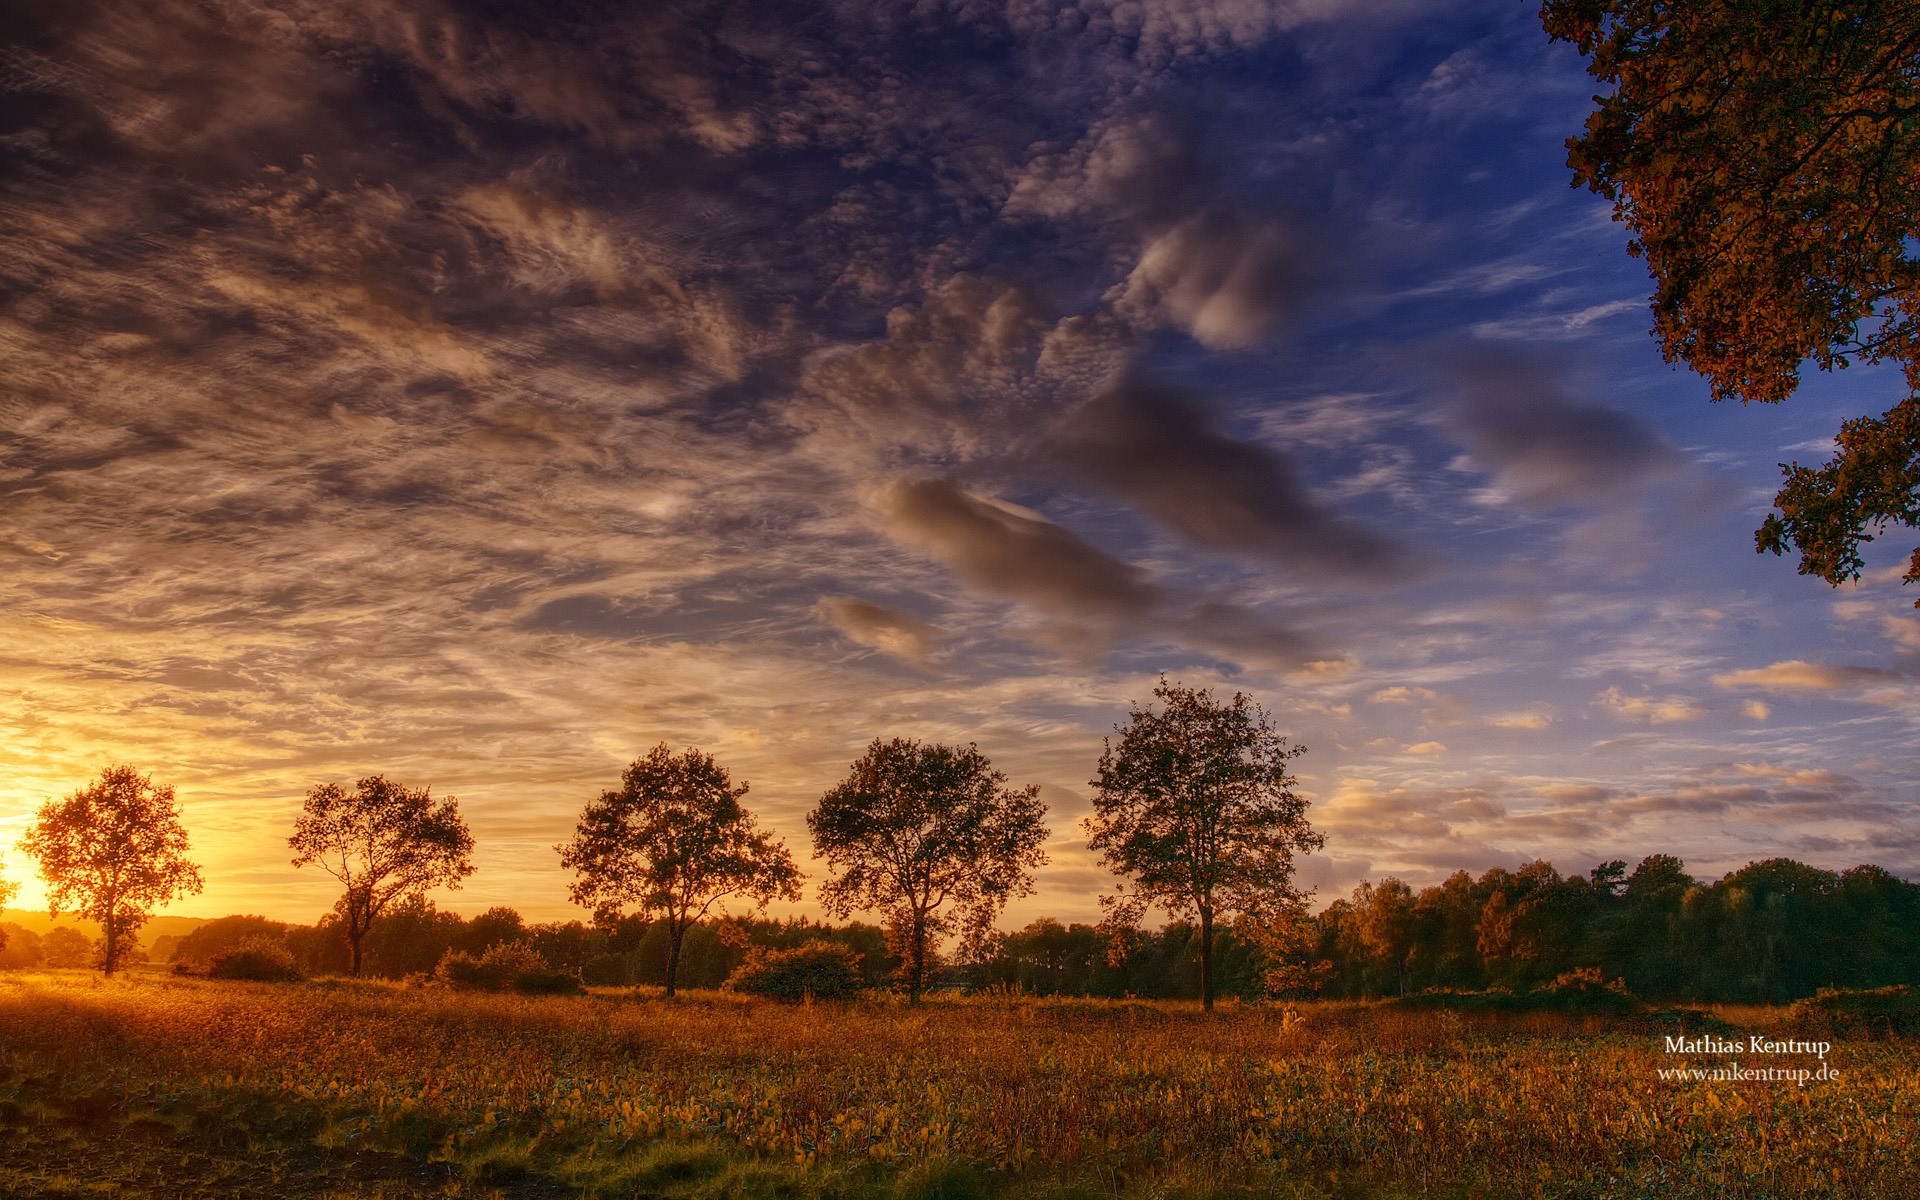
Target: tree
x=65 y=947
x=915 y=826
x=674 y=840
x=113 y=852
x=1385 y=922
x=7 y=892
x=1196 y=807
x=1767 y=158
x=384 y=842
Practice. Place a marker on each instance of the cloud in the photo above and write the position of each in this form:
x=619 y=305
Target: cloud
x=952 y=375
x=1795 y=676
x=1653 y=710
x=1155 y=449
x=1401 y=694
x=1543 y=448
x=1011 y=552
x=1521 y=720
x=1014 y=552
x=894 y=634
x=1228 y=279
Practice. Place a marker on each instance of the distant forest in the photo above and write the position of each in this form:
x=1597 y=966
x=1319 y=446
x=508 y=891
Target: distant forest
x=1773 y=931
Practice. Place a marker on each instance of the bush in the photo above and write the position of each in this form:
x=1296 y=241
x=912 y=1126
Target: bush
x=195 y=953
x=1868 y=1012
x=818 y=970
x=1581 y=991
x=547 y=983
x=608 y=970
x=515 y=965
x=257 y=958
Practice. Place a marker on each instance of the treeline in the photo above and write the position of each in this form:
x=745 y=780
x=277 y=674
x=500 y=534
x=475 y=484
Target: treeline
x=415 y=937
x=1772 y=931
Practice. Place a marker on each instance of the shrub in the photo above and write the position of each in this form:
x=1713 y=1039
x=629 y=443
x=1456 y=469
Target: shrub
x=515 y=965
x=256 y=958
x=1867 y=1012
x=816 y=969
x=65 y=947
x=608 y=970
x=1581 y=991
x=547 y=982
x=201 y=947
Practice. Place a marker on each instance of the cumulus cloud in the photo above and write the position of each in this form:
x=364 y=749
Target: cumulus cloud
x=1521 y=720
x=1545 y=448
x=1156 y=449
x=892 y=633
x=1652 y=710
x=1008 y=551
x=1229 y=280
x=1401 y=694
x=1015 y=552
x=1796 y=676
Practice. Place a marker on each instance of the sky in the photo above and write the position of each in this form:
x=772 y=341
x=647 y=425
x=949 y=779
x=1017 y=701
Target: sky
x=482 y=394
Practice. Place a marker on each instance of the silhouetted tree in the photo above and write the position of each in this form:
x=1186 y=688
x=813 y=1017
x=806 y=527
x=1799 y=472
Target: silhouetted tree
x=321 y=948
x=22 y=948
x=8 y=890
x=112 y=852
x=1196 y=808
x=674 y=840
x=491 y=928
x=915 y=827
x=65 y=947
x=383 y=841
x=411 y=938
x=197 y=949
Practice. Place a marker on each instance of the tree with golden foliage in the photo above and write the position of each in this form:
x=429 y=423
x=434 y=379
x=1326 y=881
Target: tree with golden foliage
x=1766 y=157
x=112 y=852
x=8 y=890
x=674 y=840
x=932 y=837
x=384 y=842
x=1195 y=809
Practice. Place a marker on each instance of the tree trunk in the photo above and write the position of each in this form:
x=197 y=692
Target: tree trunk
x=1206 y=958
x=353 y=941
x=676 y=933
x=917 y=959
x=110 y=953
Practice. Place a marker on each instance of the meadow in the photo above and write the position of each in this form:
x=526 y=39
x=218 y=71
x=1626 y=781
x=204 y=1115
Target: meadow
x=152 y=1084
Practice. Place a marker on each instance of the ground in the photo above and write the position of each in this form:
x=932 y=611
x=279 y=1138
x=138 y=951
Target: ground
x=151 y=1084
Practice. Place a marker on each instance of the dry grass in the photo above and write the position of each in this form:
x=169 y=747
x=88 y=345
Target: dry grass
x=716 y=1095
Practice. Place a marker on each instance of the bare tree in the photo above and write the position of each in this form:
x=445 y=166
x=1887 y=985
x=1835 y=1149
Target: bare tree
x=674 y=840
x=112 y=852
x=1196 y=809
x=384 y=842
x=916 y=826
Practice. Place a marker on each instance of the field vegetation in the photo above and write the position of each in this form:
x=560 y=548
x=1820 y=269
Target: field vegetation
x=339 y=1088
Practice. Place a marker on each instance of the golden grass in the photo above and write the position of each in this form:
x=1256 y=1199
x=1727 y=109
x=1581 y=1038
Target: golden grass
x=1113 y=1098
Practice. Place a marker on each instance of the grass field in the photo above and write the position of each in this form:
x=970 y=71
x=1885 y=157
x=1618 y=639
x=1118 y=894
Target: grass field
x=156 y=1085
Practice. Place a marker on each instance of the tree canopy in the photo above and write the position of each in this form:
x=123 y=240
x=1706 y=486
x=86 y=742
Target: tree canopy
x=384 y=842
x=1196 y=810
x=674 y=840
x=112 y=852
x=917 y=827
x=7 y=891
x=1766 y=157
